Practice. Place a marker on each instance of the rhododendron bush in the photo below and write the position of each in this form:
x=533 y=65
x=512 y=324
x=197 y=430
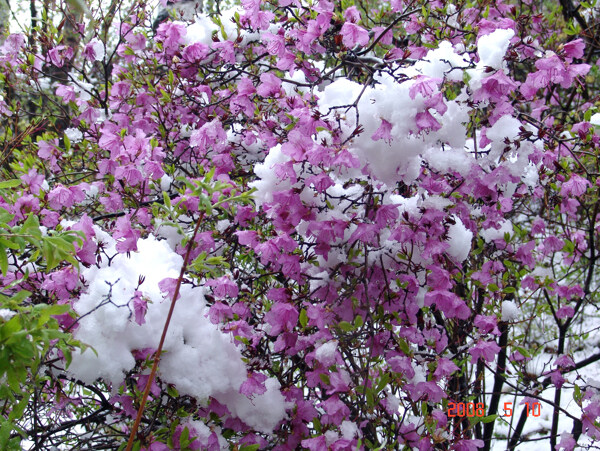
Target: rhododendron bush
x=300 y=225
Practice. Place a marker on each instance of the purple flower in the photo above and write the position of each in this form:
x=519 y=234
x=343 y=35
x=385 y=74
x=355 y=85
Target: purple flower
x=336 y=410
x=171 y=34
x=448 y=303
x=59 y=54
x=352 y=14
x=574 y=49
x=425 y=121
x=219 y=311
x=383 y=132
x=575 y=186
x=424 y=85
x=223 y=287
x=140 y=307
x=567 y=442
x=445 y=367
x=484 y=349
x=564 y=361
x=60 y=197
x=270 y=85
x=125 y=235
x=468 y=445
x=281 y=317
x=254 y=384
x=352 y=34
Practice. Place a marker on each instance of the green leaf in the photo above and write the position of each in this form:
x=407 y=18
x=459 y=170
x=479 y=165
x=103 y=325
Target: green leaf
x=10 y=183
x=489 y=418
x=577 y=393
x=3 y=260
x=303 y=318
x=46 y=311
x=9 y=244
x=184 y=438
x=358 y=321
x=250 y=447
x=346 y=326
x=31 y=226
x=370 y=397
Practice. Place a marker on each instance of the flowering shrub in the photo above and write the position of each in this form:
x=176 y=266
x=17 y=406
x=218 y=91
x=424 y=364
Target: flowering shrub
x=301 y=225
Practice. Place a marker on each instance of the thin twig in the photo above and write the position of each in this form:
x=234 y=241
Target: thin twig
x=140 y=412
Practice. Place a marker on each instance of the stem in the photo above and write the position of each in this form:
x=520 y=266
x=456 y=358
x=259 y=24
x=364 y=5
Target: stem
x=138 y=418
x=499 y=378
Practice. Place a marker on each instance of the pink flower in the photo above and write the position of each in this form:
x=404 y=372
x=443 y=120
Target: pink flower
x=140 y=307
x=484 y=349
x=468 y=445
x=402 y=364
x=320 y=182
x=59 y=54
x=315 y=444
x=66 y=92
x=281 y=317
x=336 y=410
x=564 y=361
x=567 y=442
x=125 y=235
x=429 y=391
x=383 y=132
x=425 y=121
x=208 y=135
x=386 y=215
x=574 y=49
x=366 y=233
x=424 y=85
x=352 y=34
x=113 y=202
x=486 y=324
x=130 y=174
x=168 y=286
x=575 y=186
x=552 y=244
x=245 y=87
x=386 y=39
x=352 y=14
x=495 y=87
x=87 y=252
x=566 y=311
x=448 y=303
x=254 y=384
x=219 y=311
x=525 y=254
x=13 y=44
x=171 y=34
x=270 y=85
x=94 y=50
x=445 y=367
x=223 y=287
x=247 y=238
x=195 y=52
x=120 y=89
x=226 y=51
x=33 y=180
x=275 y=44
x=60 y=197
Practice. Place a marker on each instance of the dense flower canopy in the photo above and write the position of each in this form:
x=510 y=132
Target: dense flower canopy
x=357 y=225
